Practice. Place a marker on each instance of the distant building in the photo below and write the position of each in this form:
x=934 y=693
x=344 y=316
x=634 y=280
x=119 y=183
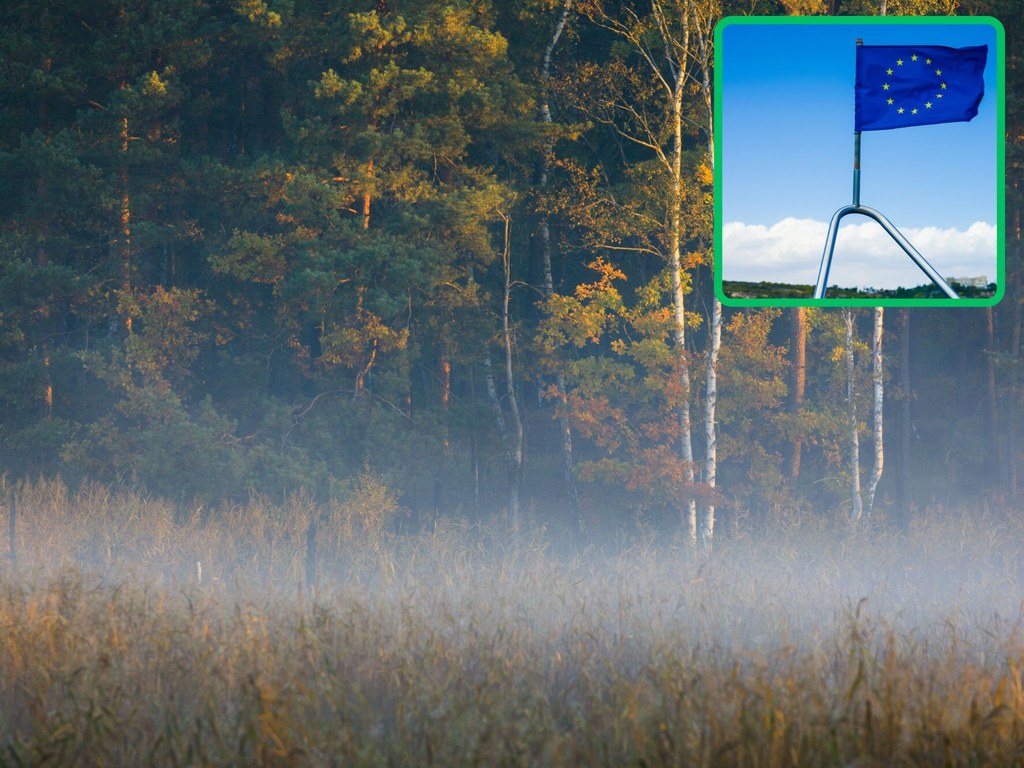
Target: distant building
x=969 y=282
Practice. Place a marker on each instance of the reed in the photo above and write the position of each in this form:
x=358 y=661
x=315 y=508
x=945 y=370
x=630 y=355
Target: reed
x=810 y=645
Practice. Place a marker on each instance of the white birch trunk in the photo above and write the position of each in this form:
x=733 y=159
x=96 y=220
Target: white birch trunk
x=707 y=529
x=675 y=260
x=856 y=508
x=877 y=416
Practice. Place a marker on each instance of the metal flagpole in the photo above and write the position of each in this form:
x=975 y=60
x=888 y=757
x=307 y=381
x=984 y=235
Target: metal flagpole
x=833 y=231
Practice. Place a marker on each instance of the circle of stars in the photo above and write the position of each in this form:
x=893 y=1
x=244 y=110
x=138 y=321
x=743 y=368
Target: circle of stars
x=929 y=66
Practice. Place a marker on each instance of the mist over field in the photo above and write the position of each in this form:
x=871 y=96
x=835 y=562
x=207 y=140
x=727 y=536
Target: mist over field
x=810 y=644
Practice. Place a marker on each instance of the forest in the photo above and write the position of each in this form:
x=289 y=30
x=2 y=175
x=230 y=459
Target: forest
x=464 y=247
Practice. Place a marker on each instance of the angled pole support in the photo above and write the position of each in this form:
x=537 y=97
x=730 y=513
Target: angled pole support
x=895 y=234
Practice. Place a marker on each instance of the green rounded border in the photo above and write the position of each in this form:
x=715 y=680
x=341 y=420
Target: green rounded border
x=997 y=26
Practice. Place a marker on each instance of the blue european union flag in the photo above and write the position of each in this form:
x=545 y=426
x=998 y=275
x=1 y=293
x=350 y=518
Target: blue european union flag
x=899 y=86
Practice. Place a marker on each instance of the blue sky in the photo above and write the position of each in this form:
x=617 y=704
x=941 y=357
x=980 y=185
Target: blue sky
x=786 y=134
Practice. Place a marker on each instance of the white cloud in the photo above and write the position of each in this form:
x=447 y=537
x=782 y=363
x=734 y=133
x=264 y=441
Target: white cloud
x=789 y=251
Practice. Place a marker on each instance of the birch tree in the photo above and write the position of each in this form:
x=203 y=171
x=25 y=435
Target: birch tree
x=877 y=373
x=707 y=531
x=661 y=43
x=704 y=28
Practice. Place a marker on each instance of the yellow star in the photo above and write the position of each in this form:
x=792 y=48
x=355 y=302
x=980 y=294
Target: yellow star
x=938 y=71
x=888 y=71
x=927 y=61
x=914 y=57
x=885 y=86
x=888 y=101
x=900 y=110
x=928 y=105
x=938 y=95
x=899 y=62
x=943 y=86
x=913 y=111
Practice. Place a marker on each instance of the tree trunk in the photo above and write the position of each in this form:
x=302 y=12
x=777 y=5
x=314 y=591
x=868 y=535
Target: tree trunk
x=124 y=239
x=679 y=311
x=367 y=197
x=544 y=233
x=507 y=443
x=514 y=446
x=877 y=414
x=125 y=223
x=856 y=508
x=492 y=396
x=707 y=529
x=797 y=386
x=441 y=472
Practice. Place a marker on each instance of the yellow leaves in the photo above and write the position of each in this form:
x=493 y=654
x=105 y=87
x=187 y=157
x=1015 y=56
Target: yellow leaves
x=152 y=85
x=587 y=315
x=704 y=174
x=922 y=7
x=803 y=7
x=588 y=323
x=376 y=34
x=456 y=31
x=690 y=261
x=356 y=340
x=259 y=13
x=607 y=273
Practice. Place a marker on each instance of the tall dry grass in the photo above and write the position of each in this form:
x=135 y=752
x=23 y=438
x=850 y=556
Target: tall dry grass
x=813 y=645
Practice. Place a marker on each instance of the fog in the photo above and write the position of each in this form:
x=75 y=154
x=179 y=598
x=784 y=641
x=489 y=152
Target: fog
x=790 y=583
x=216 y=637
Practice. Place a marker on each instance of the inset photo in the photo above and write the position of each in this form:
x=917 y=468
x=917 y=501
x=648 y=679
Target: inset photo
x=860 y=161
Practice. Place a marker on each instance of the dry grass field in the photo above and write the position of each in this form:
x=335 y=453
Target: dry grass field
x=809 y=645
